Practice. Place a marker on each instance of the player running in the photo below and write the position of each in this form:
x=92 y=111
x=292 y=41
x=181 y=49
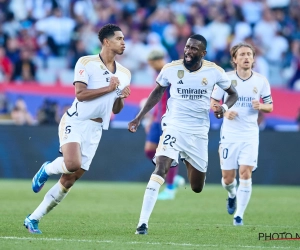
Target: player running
x=186 y=122
x=101 y=84
x=239 y=132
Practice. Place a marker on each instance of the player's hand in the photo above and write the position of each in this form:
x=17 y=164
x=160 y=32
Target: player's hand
x=218 y=111
x=114 y=83
x=256 y=104
x=230 y=115
x=133 y=125
x=125 y=92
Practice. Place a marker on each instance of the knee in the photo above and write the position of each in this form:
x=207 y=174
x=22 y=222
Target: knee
x=72 y=165
x=197 y=188
x=228 y=180
x=68 y=180
x=245 y=173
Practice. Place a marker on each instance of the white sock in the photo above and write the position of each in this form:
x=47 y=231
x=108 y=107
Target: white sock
x=231 y=188
x=57 y=167
x=52 y=198
x=243 y=196
x=150 y=198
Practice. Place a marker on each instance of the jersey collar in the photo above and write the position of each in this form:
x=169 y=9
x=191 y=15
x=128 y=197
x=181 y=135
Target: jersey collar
x=244 y=79
x=105 y=65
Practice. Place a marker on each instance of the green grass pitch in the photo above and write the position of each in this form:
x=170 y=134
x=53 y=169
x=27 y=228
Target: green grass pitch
x=97 y=215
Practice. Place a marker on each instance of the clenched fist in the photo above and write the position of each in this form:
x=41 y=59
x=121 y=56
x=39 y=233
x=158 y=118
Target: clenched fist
x=114 y=83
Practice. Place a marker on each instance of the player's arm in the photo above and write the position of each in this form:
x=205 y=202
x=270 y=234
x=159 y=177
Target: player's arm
x=267 y=105
x=219 y=110
x=119 y=102
x=84 y=94
x=152 y=100
x=264 y=107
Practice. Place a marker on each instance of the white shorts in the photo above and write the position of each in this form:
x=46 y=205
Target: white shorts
x=233 y=155
x=87 y=133
x=192 y=148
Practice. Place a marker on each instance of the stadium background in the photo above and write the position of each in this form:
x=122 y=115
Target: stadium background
x=40 y=41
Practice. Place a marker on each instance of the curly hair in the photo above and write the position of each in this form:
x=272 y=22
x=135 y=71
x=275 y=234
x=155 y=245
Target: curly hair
x=107 y=31
x=235 y=48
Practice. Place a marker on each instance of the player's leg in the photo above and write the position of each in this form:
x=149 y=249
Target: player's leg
x=171 y=186
x=229 y=183
x=151 y=144
x=243 y=193
x=228 y=153
x=157 y=178
x=68 y=164
x=196 y=177
x=51 y=199
x=247 y=160
x=70 y=138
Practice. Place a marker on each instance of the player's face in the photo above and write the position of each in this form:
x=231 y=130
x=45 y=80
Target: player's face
x=193 y=52
x=244 y=58
x=117 y=43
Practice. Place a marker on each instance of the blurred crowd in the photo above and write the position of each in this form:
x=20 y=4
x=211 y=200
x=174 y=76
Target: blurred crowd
x=41 y=40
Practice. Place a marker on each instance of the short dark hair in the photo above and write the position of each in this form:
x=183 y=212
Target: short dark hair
x=199 y=38
x=107 y=31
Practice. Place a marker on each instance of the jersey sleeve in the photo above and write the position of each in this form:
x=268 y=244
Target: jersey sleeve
x=223 y=81
x=266 y=92
x=217 y=93
x=162 y=78
x=80 y=73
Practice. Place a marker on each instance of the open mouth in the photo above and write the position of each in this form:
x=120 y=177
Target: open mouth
x=187 y=58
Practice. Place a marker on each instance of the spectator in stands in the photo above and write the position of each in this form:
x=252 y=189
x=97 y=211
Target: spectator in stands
x=58 y=29
x=20 y=114
x=3 y=36
x=13 y=50
x=79 y=51
x=6 y=67
x=48 y=113
x=47 y=28
x=11 y=26
x=24 y=68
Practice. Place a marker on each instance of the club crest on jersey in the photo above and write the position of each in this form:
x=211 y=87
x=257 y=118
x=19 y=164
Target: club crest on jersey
x=180 y=74
x=102 y=67
x=255 y=90
x=234 y=83
x=204 y=81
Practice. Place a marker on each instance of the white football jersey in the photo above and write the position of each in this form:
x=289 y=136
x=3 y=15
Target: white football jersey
x=91 y=71
x=244 y=126
x=189 y=102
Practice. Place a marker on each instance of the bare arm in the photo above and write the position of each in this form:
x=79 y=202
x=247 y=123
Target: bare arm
x=219 y=111
x=264 y=107
x=84 y=94
x=152 y=100
x=232 y=96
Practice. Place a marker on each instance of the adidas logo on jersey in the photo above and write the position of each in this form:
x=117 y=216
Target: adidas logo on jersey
x=106 y=73
x=180 y=82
